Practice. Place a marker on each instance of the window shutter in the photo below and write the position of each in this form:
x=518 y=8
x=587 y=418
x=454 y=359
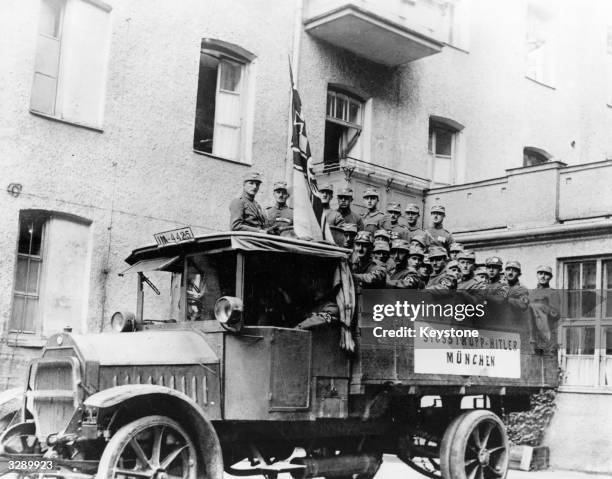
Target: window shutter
x=227 y=134
x=85 y=47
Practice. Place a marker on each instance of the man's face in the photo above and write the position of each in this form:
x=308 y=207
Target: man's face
x=438 y=263
x=326 y=196
x=412 y=217
x=512 y=274
x=423 y=269
x=413 y=261
x=362 y=250
x=382 y=256
x=437 y=218
x=466 y=266
x=371 y=202
x=482 y=276
x=349 y=240
x=453 y=255
x=493 y=272
x=455 y=271
x=344 y=202
x=399 y=255
x=394 y=216
x=281 y=196
x=544 y=278
x=251 y=187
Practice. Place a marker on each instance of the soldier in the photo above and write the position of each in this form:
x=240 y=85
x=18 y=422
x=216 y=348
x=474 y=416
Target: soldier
x=481 y=274
x=280 y=214
x=373 y=219
x=366 y=272
x=334 y=218
x=405 y=273
x=419 y=240
x=412 y=216
x=392 y=223
x=468 y=280
x=518 y=295
x=425 y=269
x=544 y=306
x=245 y=212
x=497 y=289
x=454 y=250
x=350 y=231
x=380 y=252
x=437 y=235
x=438 y=259
x=345 y=198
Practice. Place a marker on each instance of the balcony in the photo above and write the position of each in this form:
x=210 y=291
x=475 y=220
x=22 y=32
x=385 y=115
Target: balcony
x=390 y=32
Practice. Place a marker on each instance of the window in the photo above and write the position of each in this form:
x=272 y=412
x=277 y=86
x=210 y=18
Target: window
x=343 y=127
x=539 y=44
x=223 y=81
x=587 y=323
x=443 y=145
x=50 y=273
x=71 y=61
x=535 y=156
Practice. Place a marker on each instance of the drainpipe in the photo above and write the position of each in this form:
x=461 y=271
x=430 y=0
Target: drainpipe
x=295 y=67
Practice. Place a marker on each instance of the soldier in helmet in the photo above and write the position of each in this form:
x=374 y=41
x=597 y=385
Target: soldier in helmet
x=381 y=252
x=245 y=212
x=425 y=270
x=518 y=295
x=438 y=259
x=405 y=273
x=392 y=223
x=382 y=235
x=481 y=274
x=437 y=235
x=280 y=215
x=497 y=289
x=345 y=198
x=412 y=216
x=350 y=232
x=544 y=305
x=419 y=240
x=468 y=281
x=373 y=219
x=454 y=249
x=366 y=272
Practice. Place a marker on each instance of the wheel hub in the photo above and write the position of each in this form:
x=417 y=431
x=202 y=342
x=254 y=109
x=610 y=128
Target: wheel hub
x=483 y=457
x=160 y=474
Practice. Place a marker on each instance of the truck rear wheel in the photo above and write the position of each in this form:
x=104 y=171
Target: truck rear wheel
x=478 y=448
x=154 y=447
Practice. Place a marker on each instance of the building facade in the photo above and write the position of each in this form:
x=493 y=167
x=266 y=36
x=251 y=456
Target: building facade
x=123 y=119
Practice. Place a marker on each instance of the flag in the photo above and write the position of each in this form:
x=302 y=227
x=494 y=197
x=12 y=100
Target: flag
x=309 y=219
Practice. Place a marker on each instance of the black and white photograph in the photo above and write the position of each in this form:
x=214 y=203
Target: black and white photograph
x=335 y=239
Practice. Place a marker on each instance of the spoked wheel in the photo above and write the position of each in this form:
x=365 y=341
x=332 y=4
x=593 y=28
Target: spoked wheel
x=20 y=439
x=479 y=448
x=421 y=451
x=154 y=447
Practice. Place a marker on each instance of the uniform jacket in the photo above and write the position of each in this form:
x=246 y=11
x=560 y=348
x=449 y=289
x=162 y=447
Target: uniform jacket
x=407 y=278
x=373 y=221
x=439 y=237
x=400 y=229
x=441 y=281
x=334 y=218
x=279 y=216
x=370 y=274
x=518 y=297
x=350 y=217
x=246 y=215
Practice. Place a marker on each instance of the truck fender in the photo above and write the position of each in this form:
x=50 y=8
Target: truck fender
x=142 y=399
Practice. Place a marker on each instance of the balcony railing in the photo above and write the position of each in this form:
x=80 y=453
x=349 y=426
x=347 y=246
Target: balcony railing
x=390 y=32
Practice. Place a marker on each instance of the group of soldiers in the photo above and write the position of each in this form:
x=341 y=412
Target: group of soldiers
x=390 y=250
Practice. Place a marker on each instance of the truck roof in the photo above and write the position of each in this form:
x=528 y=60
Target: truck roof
x=238 y=241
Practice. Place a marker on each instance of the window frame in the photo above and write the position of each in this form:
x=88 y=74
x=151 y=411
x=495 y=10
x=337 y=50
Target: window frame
x=453 y=127
x=232 y=54
x=350 y=98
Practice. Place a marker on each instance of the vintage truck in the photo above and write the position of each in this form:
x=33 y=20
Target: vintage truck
x=213 y=372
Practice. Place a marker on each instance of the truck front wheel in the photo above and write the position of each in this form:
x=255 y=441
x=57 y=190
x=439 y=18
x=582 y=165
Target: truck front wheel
x=154 y=447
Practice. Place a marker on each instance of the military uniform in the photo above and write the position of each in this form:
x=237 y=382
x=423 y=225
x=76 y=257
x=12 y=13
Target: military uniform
x=373 y=220
x=334 y=218
x=370 y=274
x=442 y=281
x=281 y=216
x=412 y=231
x=406 y=278
x=439 y=236
x=246 y=215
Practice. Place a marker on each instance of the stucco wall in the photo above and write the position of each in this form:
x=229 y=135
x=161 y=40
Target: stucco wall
x=139 y=176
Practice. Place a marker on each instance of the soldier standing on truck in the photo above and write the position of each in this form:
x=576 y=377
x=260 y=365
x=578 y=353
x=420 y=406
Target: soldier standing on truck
x=334 y=218
x=367 y=272
x=468 y=281
x=438 y=259
x=454 y=250
x=412 y=216
x=437 y=235
x=545 y=305
x=350 y=232
x=373 y=219
x=245 y=212
x=518 y=295
x=405 y=273
x=497 y=289
x=345 y=198
x=392 y=223
x=280 y=215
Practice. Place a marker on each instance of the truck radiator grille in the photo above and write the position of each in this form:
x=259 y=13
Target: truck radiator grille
x=52 y=395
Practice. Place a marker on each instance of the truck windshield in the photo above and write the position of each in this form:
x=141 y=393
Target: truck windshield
x=209 y=277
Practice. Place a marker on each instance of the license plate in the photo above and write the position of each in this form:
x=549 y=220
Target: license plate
x=180 y=235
